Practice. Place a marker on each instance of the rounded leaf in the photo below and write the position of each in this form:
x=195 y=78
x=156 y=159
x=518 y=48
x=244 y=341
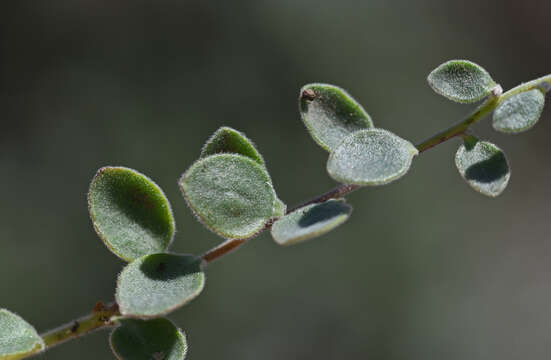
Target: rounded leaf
x=483 y=165
x=519 y=112
x=230 y=193
x=157 y=284
x=130 y=213
x=18 y=338
x=461 y=81
x=331 y=114
x=371 y=157
x=155 y=339
x=228 y=140
x=310 y=221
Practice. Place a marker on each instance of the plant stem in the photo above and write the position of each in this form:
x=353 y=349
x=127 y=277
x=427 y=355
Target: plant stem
x=459 y=128
x=103 y=316
x=100 y=318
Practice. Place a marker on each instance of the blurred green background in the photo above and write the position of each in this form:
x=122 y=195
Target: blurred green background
x=425 y=268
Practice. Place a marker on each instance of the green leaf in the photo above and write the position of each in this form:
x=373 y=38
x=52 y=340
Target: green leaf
x=155 y=339
x=483 y=165
x=330 y=114
x=519 y=112
x=231 y=194
x=310 y=221
x=228 y=140
x=130 y=213
x=279 y=208
x=461 y=81
x=18 y=338
x=157 y=284
x=371 y=157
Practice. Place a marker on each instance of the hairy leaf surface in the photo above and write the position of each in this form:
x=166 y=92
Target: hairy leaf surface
x=310 y=221
x=330 y=114
x=520 y=112
x=483 y=165
x=130 y=213
x=157 y=284
x=371 y=157
x=155 y=339
x=461 y=81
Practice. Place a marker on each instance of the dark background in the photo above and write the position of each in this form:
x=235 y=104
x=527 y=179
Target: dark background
x=425 y=268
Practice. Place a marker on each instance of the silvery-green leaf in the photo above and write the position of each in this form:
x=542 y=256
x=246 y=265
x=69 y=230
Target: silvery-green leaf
x=130 y=213
x=279 y=208
x=157 y=284
x=330 y=114
x=371 y=157
x=228 y=140
x=310 y=221
x=461 y=81
x=155 y=339
x=18 y=339
x=483 y=165
x=230 y=193
x=519 y=112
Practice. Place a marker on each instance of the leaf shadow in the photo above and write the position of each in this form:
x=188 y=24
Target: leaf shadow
x=164 y=267
x=489 y=170
x=323 y=212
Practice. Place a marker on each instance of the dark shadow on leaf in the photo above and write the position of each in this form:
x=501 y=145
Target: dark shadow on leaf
x=489 y=170
x=144 y=339
x=323 y=212
x=169 y=266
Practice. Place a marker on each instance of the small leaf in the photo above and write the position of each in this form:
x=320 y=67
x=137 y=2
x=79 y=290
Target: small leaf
x=130 y=213
x=310 y=221
x=330 y=114
x=155 y=339
x=231 y=194
x=519 y=112
x=228 y=140
x=461 y=81
x=18 y=339
x=157 y=284
x=371 y=157
x=483 y=165
x=279 y=208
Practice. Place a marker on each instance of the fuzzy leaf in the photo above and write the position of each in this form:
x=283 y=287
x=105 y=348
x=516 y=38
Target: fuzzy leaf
x=519 y=112
x=279 y=208
x=310 y=221
x=228 y=140
x=330 y=114
x=130 y=213
x=155 y=339
x=483 y=165
x=230 y=193
x=157 y=284
x=18 y=338
x=371 y=157
x=461 y=81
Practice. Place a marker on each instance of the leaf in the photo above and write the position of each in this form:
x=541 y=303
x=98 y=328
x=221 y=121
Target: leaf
x=461 y=81
x=228 y=140
x=156 y=339
x=310 y=221
x=519 y=112
x=130 y=213
x=18 y=339
x=231 y=194
x=157 y=284
x=331 y=114
x=279 y=208
x=483 y=165
x=371 y=157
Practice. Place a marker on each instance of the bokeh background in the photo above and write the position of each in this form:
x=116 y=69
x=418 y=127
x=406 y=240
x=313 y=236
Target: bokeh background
x=425 y=268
